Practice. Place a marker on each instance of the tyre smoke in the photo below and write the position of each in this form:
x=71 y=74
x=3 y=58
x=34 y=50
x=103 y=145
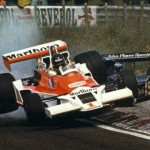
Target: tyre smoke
x=15 y=37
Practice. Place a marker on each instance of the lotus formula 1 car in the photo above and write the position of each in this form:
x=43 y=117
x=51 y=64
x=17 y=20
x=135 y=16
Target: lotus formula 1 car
x=60 y=85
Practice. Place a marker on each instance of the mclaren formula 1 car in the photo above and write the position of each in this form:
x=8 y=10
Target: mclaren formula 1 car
x=59 y=85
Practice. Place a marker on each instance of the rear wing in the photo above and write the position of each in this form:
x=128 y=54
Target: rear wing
x=127 y=57
x=33 y=52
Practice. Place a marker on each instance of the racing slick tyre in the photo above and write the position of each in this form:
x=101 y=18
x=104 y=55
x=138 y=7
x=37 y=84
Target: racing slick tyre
x=7 y=94
x=129 y=80
x=148 y=71
x=34 y=109
x=95 y=64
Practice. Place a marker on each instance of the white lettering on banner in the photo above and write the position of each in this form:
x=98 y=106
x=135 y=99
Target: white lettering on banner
x=49 y=16
x=132 y=55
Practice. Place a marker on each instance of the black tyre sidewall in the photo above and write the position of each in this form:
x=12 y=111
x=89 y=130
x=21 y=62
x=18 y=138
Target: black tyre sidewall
x=129 y=80
x=6 y=86
x=33 y=107
x=94 y=63
x=7 y=93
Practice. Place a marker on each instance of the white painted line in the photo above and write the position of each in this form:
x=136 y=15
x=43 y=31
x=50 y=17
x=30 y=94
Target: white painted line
x=115 y=129
x=124 y=132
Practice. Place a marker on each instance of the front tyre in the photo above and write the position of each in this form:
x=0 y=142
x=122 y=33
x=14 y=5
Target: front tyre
x=7 y=93
x=33 y=107
x=129 y=80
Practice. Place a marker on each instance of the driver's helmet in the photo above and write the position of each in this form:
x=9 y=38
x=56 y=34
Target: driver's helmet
x=58 y=60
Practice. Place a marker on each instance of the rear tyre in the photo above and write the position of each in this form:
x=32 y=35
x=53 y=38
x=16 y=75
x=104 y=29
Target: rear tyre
x=7 y=94
x=34 y=109
x=129 y=80
x=94 y=63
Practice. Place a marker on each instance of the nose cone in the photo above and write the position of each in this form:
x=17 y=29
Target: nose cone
x=71 y=81
x=74 y=77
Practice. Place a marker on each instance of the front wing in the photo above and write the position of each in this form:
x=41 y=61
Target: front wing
x=80 y=99
x=85 y=99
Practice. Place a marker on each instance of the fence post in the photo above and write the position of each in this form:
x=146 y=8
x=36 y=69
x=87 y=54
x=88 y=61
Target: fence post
x=141 y=15
x=86 y=18
x=63 y=18
x=63 y=9
x=5 y=14
x=35 y=10
x=124 y=14
x=106 y=12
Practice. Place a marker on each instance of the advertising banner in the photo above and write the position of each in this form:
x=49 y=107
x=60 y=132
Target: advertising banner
x=75 y=16
x=50 y=16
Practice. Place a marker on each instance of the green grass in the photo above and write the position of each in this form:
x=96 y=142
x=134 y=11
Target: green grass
x=111 y=37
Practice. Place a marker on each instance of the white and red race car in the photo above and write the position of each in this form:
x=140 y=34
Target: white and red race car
x=60 y=85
